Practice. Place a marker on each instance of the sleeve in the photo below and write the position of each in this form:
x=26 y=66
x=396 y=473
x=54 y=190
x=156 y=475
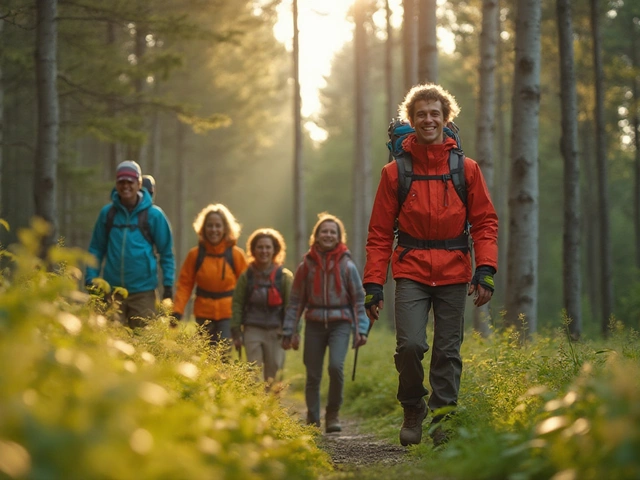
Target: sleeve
x=296 y=302
x=238 y=301
x=163 y=240
x=381 y=226
x=186 y=281
x=482 y=216
x=287 y=283
x=239 y=261
x=98 y=245
x=356 y=294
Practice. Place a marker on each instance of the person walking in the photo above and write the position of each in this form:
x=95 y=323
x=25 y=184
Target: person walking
x=327 y=288
x=123 y=241
x=213 y=267
x=431 y=263
x=259 y=302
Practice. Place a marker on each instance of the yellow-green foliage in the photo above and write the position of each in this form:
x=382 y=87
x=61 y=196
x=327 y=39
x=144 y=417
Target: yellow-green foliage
x=84 y=398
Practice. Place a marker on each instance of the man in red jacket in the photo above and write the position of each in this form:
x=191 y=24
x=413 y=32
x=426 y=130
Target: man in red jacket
x=432 y=262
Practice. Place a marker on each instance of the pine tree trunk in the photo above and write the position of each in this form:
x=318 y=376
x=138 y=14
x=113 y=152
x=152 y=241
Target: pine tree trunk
x=179 y=192
x=569 y=146
x=602 y=180
x=46 y=159
x=362 y=194
x=427 y=42
x=410 y=43
x=522 y=268
x=485 y=122
x=299 y=219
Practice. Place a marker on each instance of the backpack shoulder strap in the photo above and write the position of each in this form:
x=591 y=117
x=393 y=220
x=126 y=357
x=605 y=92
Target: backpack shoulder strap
x=111 y=214
x=228 y=256
x=202 y=252
x=456 y=168
x=144 y=226
x=250 y=280
x=405 y=174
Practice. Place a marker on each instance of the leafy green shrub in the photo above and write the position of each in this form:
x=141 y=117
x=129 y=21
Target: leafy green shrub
x=84 y=398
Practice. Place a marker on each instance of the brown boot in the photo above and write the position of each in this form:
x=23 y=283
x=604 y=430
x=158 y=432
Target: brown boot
x=332 y=422
x=411 y=430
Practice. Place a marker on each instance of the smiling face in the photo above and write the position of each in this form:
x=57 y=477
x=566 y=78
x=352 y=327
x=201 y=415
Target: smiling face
x=328 y=235
x=428 y=122
x=214 y=229
x=128 y=191
x=264 y=252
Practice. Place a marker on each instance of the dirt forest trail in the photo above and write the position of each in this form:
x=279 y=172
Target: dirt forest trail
x=350 y=449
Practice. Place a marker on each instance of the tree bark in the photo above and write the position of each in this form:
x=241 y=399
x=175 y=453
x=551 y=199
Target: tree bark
x=427 y=42
x=46 y=159
x=299 y=219
x=569 y=145
x=602 y=180
x=362 y=194
x=410 y=44
x=522 y=269
x=485 y=122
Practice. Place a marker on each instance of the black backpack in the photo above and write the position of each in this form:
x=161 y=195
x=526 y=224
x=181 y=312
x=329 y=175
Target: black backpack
x=202 y=253
x=142 y=225
x=398 y=131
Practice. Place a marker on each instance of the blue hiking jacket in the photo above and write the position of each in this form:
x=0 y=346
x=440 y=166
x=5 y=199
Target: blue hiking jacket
x=126 y=258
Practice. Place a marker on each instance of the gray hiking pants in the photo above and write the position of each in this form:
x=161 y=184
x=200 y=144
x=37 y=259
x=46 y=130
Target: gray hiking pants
x=413 y=302
x=317 y=337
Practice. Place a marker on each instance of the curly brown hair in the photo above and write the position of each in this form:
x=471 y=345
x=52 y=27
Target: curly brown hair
x=279 y=245
x=429 y=92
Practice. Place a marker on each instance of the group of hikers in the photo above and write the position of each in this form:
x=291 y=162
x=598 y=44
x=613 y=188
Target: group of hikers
x=430 y=201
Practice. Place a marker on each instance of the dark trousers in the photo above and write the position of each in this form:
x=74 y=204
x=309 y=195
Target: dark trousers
x=317 y=338
x=413 y=302
x=217 y=329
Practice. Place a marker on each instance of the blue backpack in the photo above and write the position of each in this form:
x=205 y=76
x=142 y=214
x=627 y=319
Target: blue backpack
x=398 y=131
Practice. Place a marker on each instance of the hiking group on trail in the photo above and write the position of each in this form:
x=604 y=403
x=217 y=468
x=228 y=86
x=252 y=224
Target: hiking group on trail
x=430 y=203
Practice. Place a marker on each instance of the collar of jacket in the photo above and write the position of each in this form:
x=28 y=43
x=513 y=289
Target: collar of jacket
x=219 y=248
x=425 y=153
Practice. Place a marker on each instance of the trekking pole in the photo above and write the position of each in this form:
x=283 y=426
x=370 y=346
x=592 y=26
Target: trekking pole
x=355 y=359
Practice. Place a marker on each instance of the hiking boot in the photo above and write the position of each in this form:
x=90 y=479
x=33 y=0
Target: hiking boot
x=332 y=423
x=312 y=421
x=411 y=430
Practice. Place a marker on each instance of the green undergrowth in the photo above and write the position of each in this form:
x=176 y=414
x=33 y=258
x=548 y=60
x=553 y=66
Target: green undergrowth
x=550 y=408
x=82 y=397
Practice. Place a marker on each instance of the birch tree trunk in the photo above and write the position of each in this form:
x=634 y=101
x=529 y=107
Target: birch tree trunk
x=485 y=121
x=410 y=44
x=390 y=284
x=362 y=194
x=522 y=268
x=46 y=159
x=299 y=222
x=427 y=42
x=569 y=145
x=602 y=180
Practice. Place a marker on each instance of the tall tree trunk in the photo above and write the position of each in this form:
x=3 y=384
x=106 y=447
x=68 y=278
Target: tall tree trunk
x=179 y=192
x=46 y=160
x=602 y=180
x=299 y=218
x=388 y=65
x=522 y=269
x=427 y=42
x=635 y=63
x=389 y=286
x=410 y=43
x=590 y=223
x=137 y=152
x=362 y=194
x=2 y=123
x=485 y=123
x=569 y=145
x=114 y=159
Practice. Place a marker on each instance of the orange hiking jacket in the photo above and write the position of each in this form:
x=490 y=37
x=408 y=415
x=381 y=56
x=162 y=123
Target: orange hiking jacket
x=215 y=275
x=432 y=211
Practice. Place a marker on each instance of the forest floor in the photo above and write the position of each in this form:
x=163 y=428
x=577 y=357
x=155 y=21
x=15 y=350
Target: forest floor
x=351 y=449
